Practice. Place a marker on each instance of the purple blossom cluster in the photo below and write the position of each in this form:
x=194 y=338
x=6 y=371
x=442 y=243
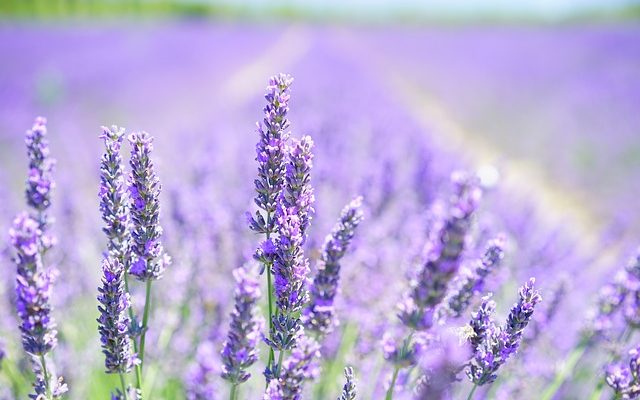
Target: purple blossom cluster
x=34 y=281
x=240 y=350
x=625 y=379
x=444 y=252
x=319 y=315
x=148 y=259
x=493 y=345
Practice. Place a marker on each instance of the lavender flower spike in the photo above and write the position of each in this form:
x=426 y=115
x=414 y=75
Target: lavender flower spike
x=240 y=349
x=114 y=321
x=349 y=388
x=319 y=314
x=444 y=250
x=113 y=194
x=299 y=367
x=494 y=345
x=33 y=293
x=40 y=182
x=297 y=193
x=148 y=258
x=271 y=152
x=472 y=280
x=625 y=381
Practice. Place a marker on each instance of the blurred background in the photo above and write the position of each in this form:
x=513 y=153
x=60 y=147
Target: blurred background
x=542 y=96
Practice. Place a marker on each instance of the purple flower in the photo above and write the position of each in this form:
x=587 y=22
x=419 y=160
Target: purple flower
x=625 y=380
x=148 y=258
x=34 y=286
x=245 y=332
x=40 y=180
x=471 y=281
x=297 y=194
x=349 y=388
x=273 y=391
x=319 y=314
x=299 y=367
x=200 y=379
x=493 y=345
x=114 y=321
x=113 y=195
x=408 y=352
x=444 y=253
x=271 y=152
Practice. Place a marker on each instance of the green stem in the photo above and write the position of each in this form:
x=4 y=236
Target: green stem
x=45 y=374
x=124 y=386
x=138 y=369
x=145 y=320
x=280 y=358
x=597 y=393
x=270 y=299
x=389 y=395
x=233 y=395
x=473 y=390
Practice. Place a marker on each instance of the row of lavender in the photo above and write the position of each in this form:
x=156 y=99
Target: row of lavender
x=301 y=314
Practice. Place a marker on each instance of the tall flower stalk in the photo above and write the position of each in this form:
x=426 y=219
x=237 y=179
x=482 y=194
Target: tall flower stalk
x=271 y=158
x=148 y=260
x=240 y=349
x=34 y=282
x=115 y=309
x=418 y=310
x=319 y=315
x=290 y=267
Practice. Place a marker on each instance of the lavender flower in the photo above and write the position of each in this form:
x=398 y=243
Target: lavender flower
x=319 y=314
x=290 y=269
x=271 y=152
x=113 y=194
x=273 y=391
x=444 y=251
x=40 y=180
x=349 y=388
x=299 y=367
x=625 y=381
x=297 y=193
x=33 y=302
x=493 y=345
x=240 y=349
x=472 y=280
x=148 y=258
x=113 y=321
x=199 y=382
x=132 y=394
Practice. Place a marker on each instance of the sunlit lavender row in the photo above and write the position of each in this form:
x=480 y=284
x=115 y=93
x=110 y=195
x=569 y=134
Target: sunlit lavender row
x=292 y=246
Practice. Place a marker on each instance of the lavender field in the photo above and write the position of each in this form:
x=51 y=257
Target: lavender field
x=442 y=212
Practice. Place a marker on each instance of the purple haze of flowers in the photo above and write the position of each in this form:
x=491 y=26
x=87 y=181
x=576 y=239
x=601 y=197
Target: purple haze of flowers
x=299 y=367
x=349 y=388
x=471 y=281
x=621 y=295
x=273 y=391
x=625 y=381
x=40 y=182
x=148 y=258
x=240 y=349
x=271 y=153
x=33 y=303
x=114 y=321
x=493 y=345
x=319 y=314
x=113 y=195
x=444 y=252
